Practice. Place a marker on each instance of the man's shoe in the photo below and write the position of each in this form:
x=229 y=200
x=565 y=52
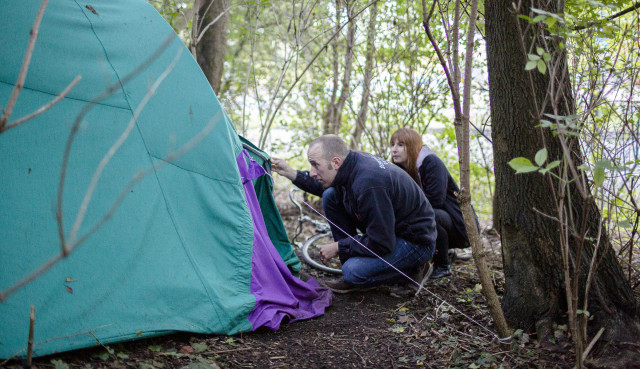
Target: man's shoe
x=340 y=286
x=440 y=271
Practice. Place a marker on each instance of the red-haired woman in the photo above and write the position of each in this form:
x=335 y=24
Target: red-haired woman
x=426 y=168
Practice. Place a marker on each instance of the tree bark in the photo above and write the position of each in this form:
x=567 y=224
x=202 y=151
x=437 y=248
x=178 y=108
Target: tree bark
x=368 y=75
x=212 y=23
x=330 y=113
x=531 y=243
x=345 y=92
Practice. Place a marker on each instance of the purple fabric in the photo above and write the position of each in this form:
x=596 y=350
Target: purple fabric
x=279 y=295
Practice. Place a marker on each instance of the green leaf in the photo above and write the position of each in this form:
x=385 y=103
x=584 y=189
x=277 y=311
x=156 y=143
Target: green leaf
x=155 y=348
x=598 y=176
x=531 y=64
x=103 y=355
x=553 y=164
x=539 y=50
x=624 y=224
x=397 y=329
x=59 y=364
x=542 y=67
x=539 y=18
x=474 y=365
x=199 y=347
x=522 y=165
x=604 y=164
x=585 y=312
x=541 y=156
x=522 y=16
x=122 y=355
x=550 y=21
x=533 y=57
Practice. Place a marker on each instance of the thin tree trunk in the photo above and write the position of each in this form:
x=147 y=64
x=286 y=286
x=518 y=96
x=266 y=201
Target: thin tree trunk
x=346 y=77
x=330 y=113
x=212 y=44
x=462 y=136
x=535 y=294
x=368 y=73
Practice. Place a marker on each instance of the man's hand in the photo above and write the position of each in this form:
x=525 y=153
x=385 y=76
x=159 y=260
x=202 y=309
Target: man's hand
x=328 y=252
x=281 y=167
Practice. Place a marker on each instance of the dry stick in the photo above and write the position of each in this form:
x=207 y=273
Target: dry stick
x=44 y=108
x=32 y=322
x=24 y=68
x=591 y=344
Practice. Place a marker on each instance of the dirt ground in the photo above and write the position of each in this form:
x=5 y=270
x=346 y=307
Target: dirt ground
x=446 y=326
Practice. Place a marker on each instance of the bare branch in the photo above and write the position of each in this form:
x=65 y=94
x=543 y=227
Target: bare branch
x=25 y=67
x=44 y=108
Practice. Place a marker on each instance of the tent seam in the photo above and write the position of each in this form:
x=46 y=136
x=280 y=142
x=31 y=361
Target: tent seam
x=191 y=171
x=169 y=211
x=68 y=97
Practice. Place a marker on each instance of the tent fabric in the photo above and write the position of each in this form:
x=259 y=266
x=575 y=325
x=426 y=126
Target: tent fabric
x=270 y=274
x=264 y=190
x=177 y=253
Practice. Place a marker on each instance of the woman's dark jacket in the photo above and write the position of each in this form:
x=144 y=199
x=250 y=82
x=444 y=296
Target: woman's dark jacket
x=441 y=189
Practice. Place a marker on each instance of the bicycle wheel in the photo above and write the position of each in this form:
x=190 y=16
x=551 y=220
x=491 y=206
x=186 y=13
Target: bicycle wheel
x=309 y=251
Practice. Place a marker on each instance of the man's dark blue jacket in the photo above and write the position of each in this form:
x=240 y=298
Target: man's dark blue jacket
x=384 y=201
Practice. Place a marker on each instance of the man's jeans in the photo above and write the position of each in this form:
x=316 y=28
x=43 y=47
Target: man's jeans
x=365 y=270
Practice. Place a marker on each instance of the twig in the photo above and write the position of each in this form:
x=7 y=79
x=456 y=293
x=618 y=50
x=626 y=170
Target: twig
x=53 y=339
x=32 y=322
x=44 y=108
x=591 y=344
x=17 y=88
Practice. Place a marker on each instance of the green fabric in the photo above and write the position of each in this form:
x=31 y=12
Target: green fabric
x=176 y=255
x=272 y=219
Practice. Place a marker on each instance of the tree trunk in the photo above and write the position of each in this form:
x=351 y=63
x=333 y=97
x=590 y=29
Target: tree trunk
x=211 y=48
x=330 y=113
x=368 y=72
x=531 y=243
x=345 y=91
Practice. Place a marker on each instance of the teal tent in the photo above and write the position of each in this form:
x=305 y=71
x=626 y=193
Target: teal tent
x=157 y=187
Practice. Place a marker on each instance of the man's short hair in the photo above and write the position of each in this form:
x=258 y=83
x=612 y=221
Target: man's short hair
x=332 y=146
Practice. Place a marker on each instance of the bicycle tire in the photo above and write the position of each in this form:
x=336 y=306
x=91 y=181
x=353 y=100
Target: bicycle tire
x=309 y=260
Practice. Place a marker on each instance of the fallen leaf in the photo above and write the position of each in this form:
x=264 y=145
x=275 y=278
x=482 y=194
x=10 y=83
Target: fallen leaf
x=199 y=347
x=187 y=350
x=69 y=289
x=59 y=364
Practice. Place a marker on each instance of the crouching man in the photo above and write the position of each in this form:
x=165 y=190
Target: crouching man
x=363 y=192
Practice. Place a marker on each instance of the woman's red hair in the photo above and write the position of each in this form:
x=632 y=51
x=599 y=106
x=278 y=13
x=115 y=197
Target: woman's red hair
x=412 y=144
